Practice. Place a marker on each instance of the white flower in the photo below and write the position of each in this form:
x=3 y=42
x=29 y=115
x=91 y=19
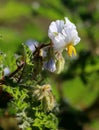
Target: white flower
x=63 y=36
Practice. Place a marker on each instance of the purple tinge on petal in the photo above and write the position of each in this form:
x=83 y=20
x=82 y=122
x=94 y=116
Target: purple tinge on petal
x=32 y=44
x=50 y=65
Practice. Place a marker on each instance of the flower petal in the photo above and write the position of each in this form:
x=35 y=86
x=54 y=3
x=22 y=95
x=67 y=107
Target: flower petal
x=50 y=65
x=55 y=28
x=32 y=44
x=63 y=34
x=59 y=42
x=69 y=23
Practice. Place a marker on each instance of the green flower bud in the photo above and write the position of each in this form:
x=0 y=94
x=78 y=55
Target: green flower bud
x=60 y=65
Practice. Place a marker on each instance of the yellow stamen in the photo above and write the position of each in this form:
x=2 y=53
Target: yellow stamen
x=71 y=50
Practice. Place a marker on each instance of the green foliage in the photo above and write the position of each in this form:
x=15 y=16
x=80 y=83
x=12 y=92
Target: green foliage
x=43 y=121
x=20 y=20
x=1 y=63
x=28 y=110
x=12 y=10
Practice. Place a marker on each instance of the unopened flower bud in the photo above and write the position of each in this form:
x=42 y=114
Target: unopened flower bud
x=60 y=65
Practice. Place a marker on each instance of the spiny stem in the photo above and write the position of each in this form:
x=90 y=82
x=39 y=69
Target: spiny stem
x=2 y=81
x=41 y=47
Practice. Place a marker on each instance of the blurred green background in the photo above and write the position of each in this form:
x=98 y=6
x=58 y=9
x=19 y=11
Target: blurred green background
x=21 y=20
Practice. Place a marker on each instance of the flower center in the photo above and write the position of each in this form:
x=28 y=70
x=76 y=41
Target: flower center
x=71 y=50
